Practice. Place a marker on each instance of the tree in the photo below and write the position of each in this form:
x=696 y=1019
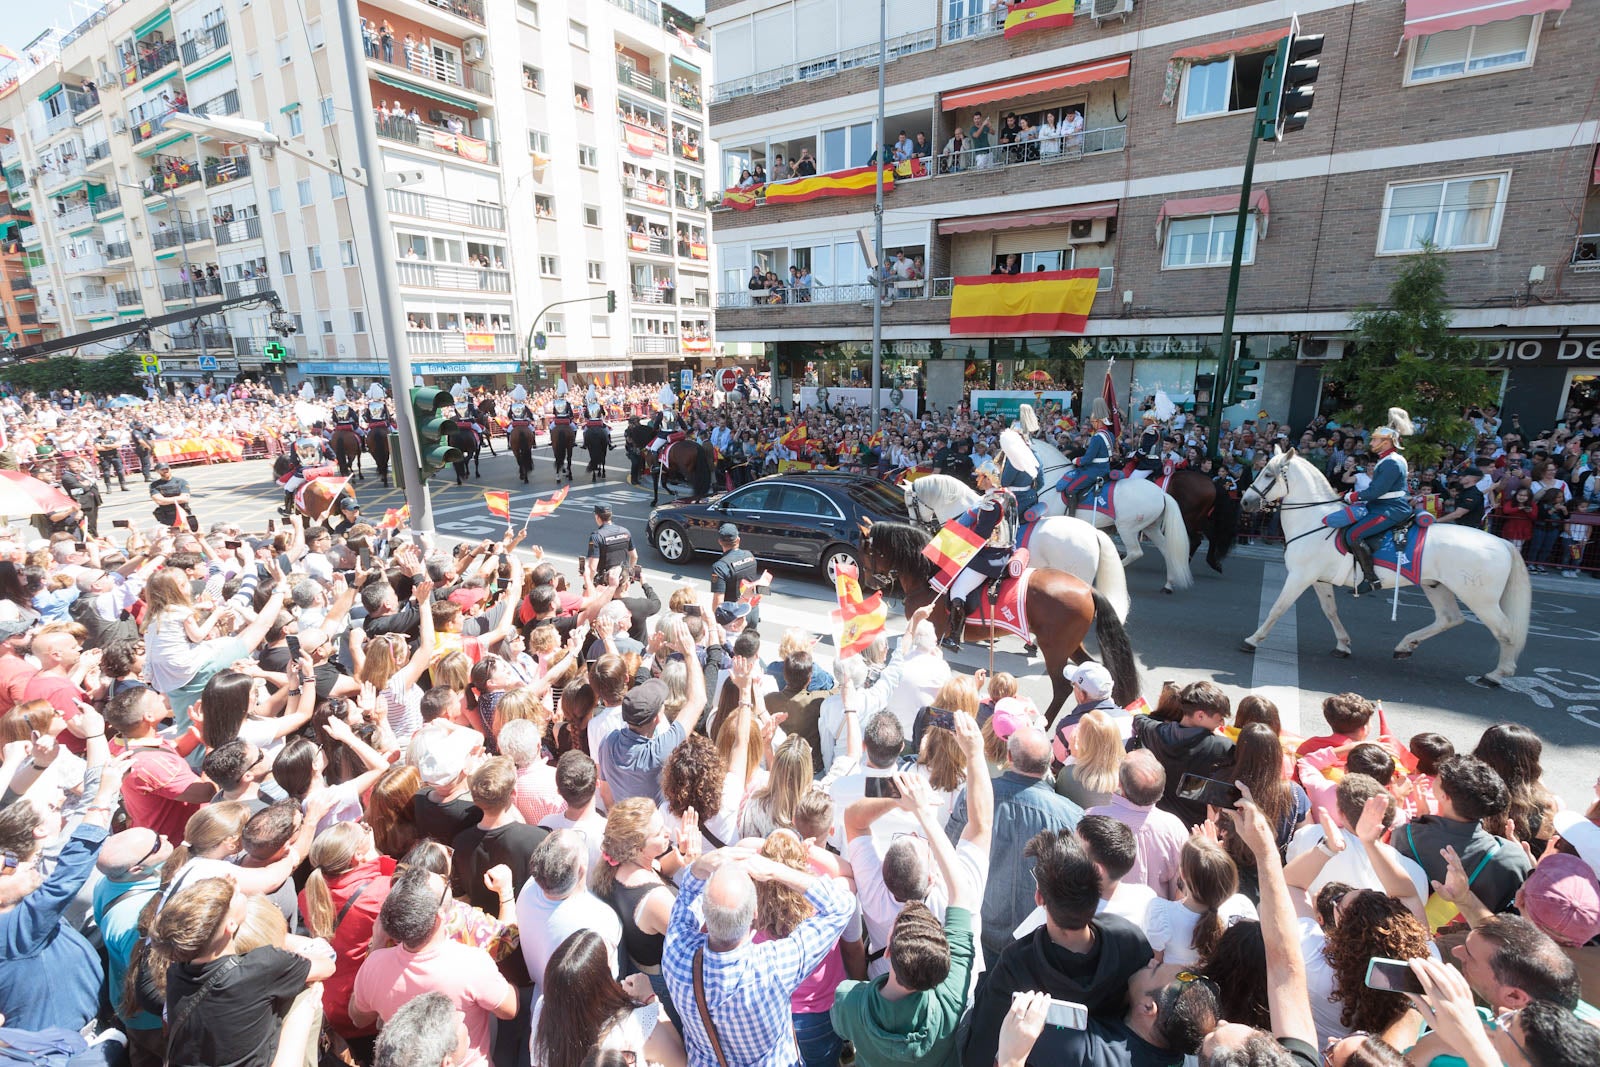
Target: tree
x=112 y=375
x=1405 y=355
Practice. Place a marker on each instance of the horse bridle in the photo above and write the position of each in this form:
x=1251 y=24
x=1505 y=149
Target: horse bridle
x=917 y=506
x=874 y=581
x=1283 y=472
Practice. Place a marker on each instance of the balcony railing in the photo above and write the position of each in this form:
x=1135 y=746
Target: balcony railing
x=214 y=339
x=644 y=243
x=826 y=66
x=424 y=65
x=689 y=200
x=246 y=286
x=651 y=294
x=444 y=209
x=471 y=10
x=118 y=250
x=450 y=343
x=156 y=57
x=652 y=344
x=645 y=192
x=1062 y=149
x=700 y=298
x=204 y=43
x=990 y=23
x=861 y=293
x=54 y=124
x=449 y=276
x=29 y=234
x=648 y=10
x=107 y=202
x=20 y=283
x=180 y=234
x=1586 y=252
x=10 y=153
x=422 y=135
x=81 y=100
x=170 y=180
x=127 y=298
x=146 y=128
x=222 y=104
x=101 y=304
x=227 y=169
x=632 y=78
x=73 y=217
x=29 y=318
x=689 y=99
x=83 y=262
x=60 y=173
x=189 y=290
x=238 y=230
x=40 y=273
x=97 y=151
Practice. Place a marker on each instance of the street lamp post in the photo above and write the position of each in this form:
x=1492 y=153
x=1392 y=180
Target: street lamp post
x=879 y=286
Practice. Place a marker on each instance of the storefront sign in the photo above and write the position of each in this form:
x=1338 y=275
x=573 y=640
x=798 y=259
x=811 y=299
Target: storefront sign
x=839 y=396
x=1008 y=402
x=1139 y=347
x=473 y=367
x=1546 y=351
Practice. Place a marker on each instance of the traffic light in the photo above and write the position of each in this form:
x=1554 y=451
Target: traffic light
x=274 y=351
x=1288 y=86
x=611 y=301
x=431 y=411
x=1204 y=386
x=1246 y=384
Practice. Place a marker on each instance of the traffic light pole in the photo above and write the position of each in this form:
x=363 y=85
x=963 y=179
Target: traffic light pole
x=609 y=296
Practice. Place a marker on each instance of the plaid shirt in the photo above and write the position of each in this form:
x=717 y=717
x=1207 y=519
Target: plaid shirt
x=748 y=989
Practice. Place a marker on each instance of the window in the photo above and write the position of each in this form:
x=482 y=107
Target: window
x=299 y=323
x=549 y=266
x=846 y=146
x=581 y=98
x=254 y=62
x=532 y=79
x=275 y=198
x=591 y=215
x=314 y=256
x=555 y=326
x=411 y=246
x=578 y=34
x=285 y=264
x=358 y=320
x=303 y=188
x=528 y=11
x=347 y=253
x=597 y=271
x=326 y=104
x=327 y=321
x=600 y=326
x=318 y=37
x=1223 y=87
x=588 y=157
x=1456 y=215
x=1474 y=50
x=544 y=206
x=539 y=141
x=336 y=185
x=296 y=125
x=1207 y=241
x=284 y=55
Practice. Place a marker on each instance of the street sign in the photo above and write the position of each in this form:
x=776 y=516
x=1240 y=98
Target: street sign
x=540 y=340
x=208 y=362
x=150 y=361
x=728 y=379
x=686 y=380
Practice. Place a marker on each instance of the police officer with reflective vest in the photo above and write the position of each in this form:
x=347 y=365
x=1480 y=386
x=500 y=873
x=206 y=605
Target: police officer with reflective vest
x=735 y=575
x=610 y=545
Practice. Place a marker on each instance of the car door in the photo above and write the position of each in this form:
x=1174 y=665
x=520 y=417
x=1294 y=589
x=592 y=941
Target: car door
x=751 y=510
x=809 y=523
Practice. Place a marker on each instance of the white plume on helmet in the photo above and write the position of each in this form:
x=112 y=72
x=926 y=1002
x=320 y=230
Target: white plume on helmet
x=338 y=394
x=1164 y=407
x=1399 y=427
x=561 y=387
x=593 y=394
x=519 y=393
x=307 y=393
x=667 y=397
x=1027 y=422
x=1017 y=452
x=376 y=391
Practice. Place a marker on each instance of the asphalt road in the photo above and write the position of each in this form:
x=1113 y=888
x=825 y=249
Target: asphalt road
x=1192 y=635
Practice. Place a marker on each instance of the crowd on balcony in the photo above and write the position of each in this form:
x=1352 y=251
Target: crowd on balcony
x=68 y=204
x=201 y=280
x=644 y=119
x=450 y=322
x=1019 y=139
x=377 y=40
x=169 y=172
x=686 y=142
x=686 y=93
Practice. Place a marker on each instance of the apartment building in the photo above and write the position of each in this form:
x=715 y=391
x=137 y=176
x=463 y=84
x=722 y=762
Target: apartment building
x=1464 y=125
x=19 y=315
x=524 y=186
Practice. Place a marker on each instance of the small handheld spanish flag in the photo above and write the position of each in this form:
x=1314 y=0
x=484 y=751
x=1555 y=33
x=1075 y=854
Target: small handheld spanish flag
x=548 y=504
x=499 y=502
x=395 y=518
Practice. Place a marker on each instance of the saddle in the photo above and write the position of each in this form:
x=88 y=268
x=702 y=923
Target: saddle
x=1003 y=603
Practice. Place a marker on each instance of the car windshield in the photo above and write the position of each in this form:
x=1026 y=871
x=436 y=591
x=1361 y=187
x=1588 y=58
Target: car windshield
x=878 y=497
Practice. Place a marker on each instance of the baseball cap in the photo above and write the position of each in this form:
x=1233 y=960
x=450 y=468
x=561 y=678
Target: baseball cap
x=440 y=754
x=348 y=503
x=469 y=596
x=1583 y=835
x=642 y=703
x=1093 y=679
x=1012 y=714
x=163 y=466
x=10 y=628
x=726 y=613
x=727 y=532
x=1562 y=898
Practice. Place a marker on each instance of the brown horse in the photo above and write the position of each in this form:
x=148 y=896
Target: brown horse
x=318 y=497
x=563 y=442
x=689 y=461
x=1208 y=510
x=347 y=450
x=521 y=440
x=378 y=446
x=1061 y=609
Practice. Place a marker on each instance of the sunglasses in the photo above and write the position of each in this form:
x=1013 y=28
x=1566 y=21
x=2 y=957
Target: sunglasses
x=153 y=850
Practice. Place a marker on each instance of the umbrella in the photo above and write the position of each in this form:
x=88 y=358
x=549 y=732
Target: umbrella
x=23 y=494
x=1038 y=376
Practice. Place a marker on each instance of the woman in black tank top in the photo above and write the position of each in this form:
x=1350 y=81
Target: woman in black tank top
x=630 y=878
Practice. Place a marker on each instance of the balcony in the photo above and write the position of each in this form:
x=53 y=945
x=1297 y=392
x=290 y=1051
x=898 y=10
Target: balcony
x=74 y=217
x=107 y=202
x=443 y=209
x=58 y=174
x=179 y=235
x=222 y=104
x=28 y=318
x=1066 y=149
x=83 y=263
x=10 y=153
x=687 y=97
x=471 y=10
x=645 y=192
x=213 y=339
x=57 y=123
x=179 y=174
x=652 y=345
x=192 y=289
x=629 y=77
x=438 y=139
x=30 y=234
x=1586 y=252
x=689 y=199
x=651 y=294
x=227 y=233
x=20 y=284
x=202 y=44
x=144 y=129
x=226 y=169
x=424 y=66
x=446 y=343
x=645 y=244
x=126 y=298
x=97 y=152
x=40 y=273
x=648 y=10
x=449 y=276
x=851 y=58
x=91 y=306
x=118 y=250
x=81 y=100
x=246 y=286
x=152 y=59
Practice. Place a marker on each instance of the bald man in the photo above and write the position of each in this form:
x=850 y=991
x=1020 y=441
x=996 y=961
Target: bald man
x=131 y=863
x=59 y=650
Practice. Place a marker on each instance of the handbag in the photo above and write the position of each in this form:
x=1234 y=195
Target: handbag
x=705 y=1009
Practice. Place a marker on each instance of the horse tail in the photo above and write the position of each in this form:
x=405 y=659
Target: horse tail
x=1516 y=600
x=702 y=470
x=1176 y=537
x=1116 y=653
x=1110 y=580
x=1223 y=530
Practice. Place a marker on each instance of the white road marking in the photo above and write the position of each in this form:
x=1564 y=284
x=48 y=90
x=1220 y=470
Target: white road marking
x=1277 y=660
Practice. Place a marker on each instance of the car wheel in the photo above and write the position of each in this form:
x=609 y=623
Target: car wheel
x=835 y=555
x=672 y=542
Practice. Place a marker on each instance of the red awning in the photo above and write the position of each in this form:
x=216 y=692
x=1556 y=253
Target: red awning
x=1221 y=204
x=1048 y=81
x=1250 y=42
x=1027 y=220
x=1436 y=16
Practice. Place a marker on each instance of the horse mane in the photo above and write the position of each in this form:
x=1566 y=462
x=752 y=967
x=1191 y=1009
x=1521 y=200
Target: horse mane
x=902 y=544
x=945 y=490
x=1318 y=479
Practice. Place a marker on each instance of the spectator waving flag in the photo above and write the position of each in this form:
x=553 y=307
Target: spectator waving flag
x=547 y=505
x=950 y=550
x=861 y=619
x=1108 y=392
x=1038 y=15
x=499 y=503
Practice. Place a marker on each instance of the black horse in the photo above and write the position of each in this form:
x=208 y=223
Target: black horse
x=465 y=439
x=563 y=442
x=597 y=442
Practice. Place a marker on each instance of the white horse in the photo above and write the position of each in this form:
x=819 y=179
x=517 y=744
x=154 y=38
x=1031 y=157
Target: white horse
x=1484 y=571
x=1060 y=543
x=1143 y=508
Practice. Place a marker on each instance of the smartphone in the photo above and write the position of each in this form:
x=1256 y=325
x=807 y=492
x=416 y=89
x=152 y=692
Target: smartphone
x=1067 y=1015
x=1392 y=976
x=120 y=524
x=80 y=546
x=294 y=646
x=942 y=718
x=1209 y=791
x=691 y=609
x=881 y=789
x=272 y=524
x=365 y=556
x=233 y=544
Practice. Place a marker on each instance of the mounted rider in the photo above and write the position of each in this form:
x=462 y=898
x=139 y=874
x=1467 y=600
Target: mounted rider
x=596 y=433
x=993 y=518
x=344 y=415
x=379 y=415
x=561 y=408
x=1093 y=467
x=1150 y=453
x=1020 y=470
x=1385 y=501
x=518 y=412
x=666 y=422
x=309 y=464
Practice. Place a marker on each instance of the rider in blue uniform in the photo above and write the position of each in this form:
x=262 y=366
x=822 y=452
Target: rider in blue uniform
x=1019 y=474
x=1386 y=501
x=993 y=518
x=1095 y=463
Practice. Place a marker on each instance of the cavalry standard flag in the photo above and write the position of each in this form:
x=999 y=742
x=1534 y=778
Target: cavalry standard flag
x=1108 y=393
x=499 y=503
x=548 y=504
x=861 y=619
x=1039 y=15
x=951 y=549
x=1000 y=305
x=854 y=182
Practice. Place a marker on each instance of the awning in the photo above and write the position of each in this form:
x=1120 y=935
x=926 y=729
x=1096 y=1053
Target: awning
x=430 y=93
x=1048 y=81
x=1250 y=42
x=1027 y=220
x=1436 y=16
x=1213 y=205
x=686 y=65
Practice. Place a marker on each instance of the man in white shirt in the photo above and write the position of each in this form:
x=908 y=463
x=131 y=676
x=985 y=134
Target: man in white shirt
x=923 y=671
x=575 y=782
x=1111 y=846
x=555 y=904
x=1325 y=853
x=834 y=725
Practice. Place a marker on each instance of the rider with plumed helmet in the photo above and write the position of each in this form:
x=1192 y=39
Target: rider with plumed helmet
x=1385 y=500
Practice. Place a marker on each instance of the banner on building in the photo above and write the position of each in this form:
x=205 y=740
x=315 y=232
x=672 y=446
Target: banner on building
x=1039 y=15
x=639 y=142
x=480 y=342
x=854 y=182
x=1056 y=301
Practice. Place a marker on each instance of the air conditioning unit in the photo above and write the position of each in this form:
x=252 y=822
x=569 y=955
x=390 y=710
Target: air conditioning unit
x=1100 y=10
x=1321 y=348
x=267 y=151
x=473 y=47
x=1087 y=232
x=118 y=125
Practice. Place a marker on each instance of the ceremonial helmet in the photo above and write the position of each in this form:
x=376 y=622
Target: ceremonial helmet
x=667 y=398
x=1017 y=452
x=308 y=449
x=339 y=395
x=1399 y=426
x=519 y=394
x=1098 y=411
x=561 y=387
x=376 y=391
x=986 y=468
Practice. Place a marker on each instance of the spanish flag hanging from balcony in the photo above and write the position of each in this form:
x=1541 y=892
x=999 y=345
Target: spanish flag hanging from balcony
x=1056 y=301
x=854 y=182
x=739 y=199
x=1039 y=15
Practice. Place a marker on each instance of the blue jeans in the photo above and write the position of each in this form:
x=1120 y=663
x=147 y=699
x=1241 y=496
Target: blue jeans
x=819 y=1045
x=1542 y=549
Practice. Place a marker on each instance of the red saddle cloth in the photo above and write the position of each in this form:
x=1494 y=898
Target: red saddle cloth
x=1008 y=610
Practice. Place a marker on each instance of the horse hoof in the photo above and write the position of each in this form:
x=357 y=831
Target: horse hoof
x=1214 y=566
x=1485 y=682
x=1247 y=648
x=1401 y=653
x=1341 y=653
x=1167 y=589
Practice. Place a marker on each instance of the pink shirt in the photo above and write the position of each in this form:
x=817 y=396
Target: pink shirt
x=815 y=994
x=536 y=794
x=393 y=976
x=1159 y=837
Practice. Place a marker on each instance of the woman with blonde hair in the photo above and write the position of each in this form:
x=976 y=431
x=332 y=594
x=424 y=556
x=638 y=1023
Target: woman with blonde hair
x=939 y=756
x=390 y=667
x=348 y=883
x=390 y=810
x=181 y=655
x=798 y=640
x=772 y=806
x=453 y=670
x=738 y=747
x=522 y=703
x=1090 y=777
x=636 y=881
x=216 y=832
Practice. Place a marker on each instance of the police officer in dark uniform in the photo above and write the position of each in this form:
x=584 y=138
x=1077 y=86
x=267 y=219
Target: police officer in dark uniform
x=139 y=433
x=610 y=545
x=735 y=574
x=108 y=451
x=636 y=438
x=78 y=481
x=349 y=515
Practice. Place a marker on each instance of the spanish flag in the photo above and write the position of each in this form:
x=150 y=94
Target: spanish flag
x=861 y=619
x=794 y=438
x=395 y=518
x=1000 y=305
x=854 y=182
x=548 y=504
x=1039 y=15
x=499 y=503
x=739 y=199
x=951 y=549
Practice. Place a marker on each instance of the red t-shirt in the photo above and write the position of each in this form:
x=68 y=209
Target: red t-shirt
x=352 y=937
x=15 y=674
x=152 y=786
x=63 y=695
